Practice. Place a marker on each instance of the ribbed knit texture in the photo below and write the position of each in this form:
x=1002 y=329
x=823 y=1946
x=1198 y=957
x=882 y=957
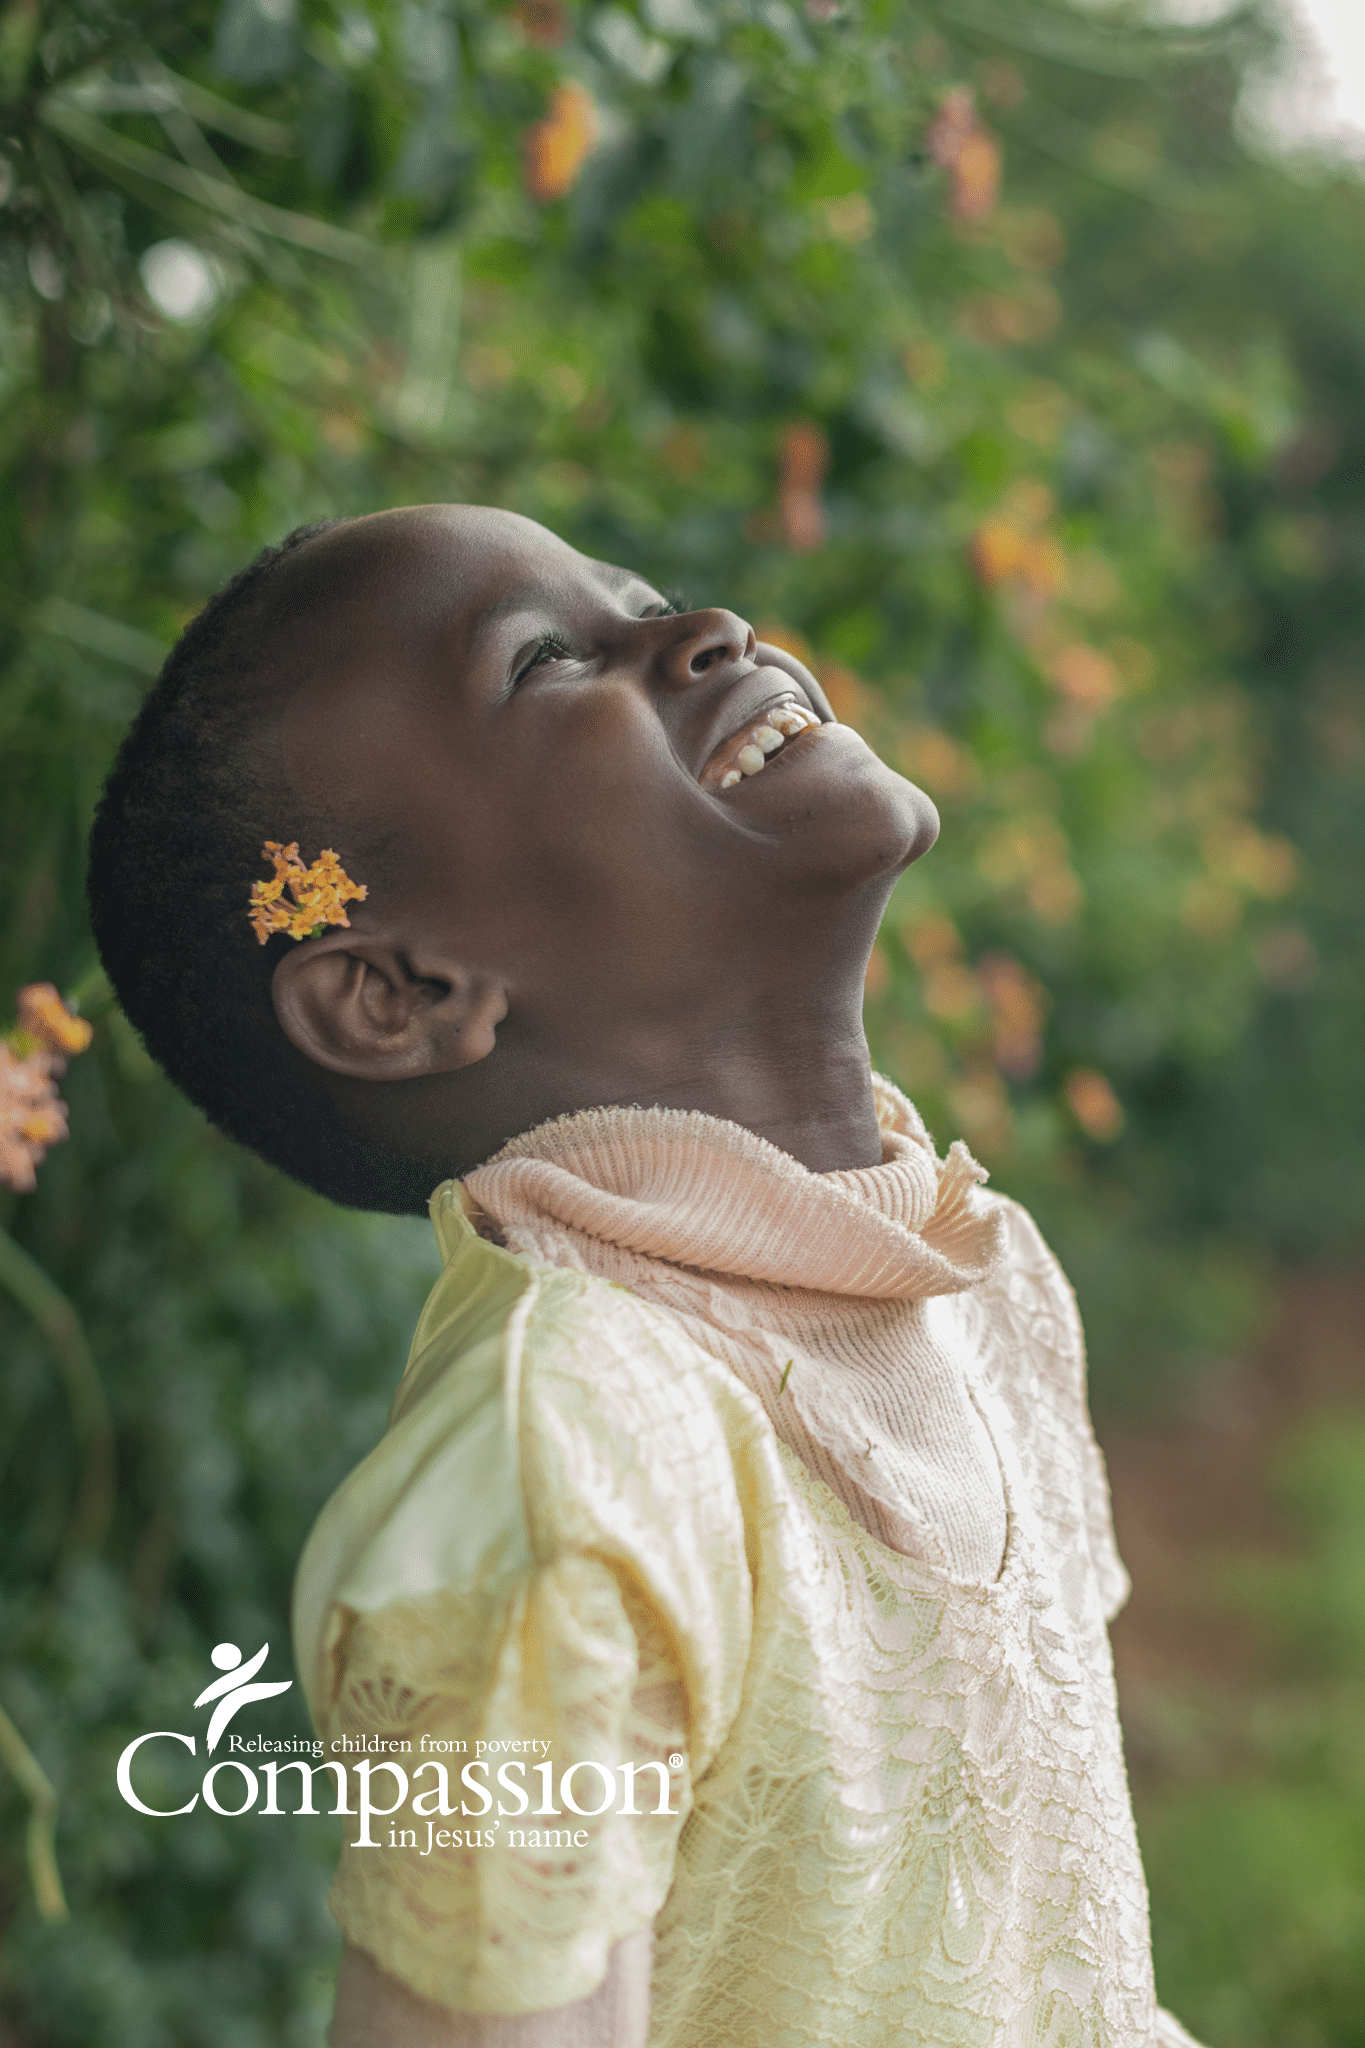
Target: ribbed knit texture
x=814 y=1288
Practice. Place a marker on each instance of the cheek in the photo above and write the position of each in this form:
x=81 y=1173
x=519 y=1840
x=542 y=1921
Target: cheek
x=593 y=843
x=609 y=795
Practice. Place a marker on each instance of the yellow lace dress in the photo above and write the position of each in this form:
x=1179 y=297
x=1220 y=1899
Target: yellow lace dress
x=900 y=1812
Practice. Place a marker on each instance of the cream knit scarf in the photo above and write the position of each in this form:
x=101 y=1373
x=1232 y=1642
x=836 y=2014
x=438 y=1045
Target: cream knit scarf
x=828 y=1294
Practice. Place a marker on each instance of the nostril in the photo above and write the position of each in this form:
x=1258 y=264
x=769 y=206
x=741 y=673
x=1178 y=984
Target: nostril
x=703 y=659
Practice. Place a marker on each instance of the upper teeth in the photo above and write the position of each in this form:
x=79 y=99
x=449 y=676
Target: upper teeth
x=782 y=722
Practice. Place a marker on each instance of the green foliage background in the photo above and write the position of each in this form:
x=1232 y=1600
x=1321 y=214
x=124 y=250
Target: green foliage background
x=1138 y=371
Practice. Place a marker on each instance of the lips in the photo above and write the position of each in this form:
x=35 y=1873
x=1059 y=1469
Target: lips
x=747 y=751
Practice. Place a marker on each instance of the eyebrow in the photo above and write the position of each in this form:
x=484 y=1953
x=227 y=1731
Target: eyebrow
x=511 y=601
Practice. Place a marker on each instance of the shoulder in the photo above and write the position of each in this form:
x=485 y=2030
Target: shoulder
x=543 y=1414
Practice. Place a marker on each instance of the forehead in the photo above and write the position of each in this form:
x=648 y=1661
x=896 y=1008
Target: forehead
x=454 y=570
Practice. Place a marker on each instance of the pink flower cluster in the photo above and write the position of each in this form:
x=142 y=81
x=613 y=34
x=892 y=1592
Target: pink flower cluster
x=32 y=1113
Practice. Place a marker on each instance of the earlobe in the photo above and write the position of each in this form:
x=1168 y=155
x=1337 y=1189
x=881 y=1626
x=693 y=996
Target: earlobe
x=366 y=1008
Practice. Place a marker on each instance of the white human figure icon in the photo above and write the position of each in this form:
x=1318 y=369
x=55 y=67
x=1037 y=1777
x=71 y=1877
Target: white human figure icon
x=233 y=1691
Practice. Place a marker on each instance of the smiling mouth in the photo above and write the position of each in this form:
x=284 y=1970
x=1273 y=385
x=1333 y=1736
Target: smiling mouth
x=747 y=752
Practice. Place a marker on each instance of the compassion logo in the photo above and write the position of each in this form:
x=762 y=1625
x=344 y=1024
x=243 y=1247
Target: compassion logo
x=239 y=1687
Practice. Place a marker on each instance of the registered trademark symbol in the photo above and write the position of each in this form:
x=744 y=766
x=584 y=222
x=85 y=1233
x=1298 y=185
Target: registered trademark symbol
x=675 y=1762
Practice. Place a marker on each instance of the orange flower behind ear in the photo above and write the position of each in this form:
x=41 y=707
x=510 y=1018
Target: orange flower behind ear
x=318 y=892
x=44 y=1016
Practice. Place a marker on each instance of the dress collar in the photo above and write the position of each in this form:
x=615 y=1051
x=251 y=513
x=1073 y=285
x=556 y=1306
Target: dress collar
x=702 y=1193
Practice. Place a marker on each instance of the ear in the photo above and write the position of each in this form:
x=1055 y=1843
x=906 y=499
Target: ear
x=368 y=1008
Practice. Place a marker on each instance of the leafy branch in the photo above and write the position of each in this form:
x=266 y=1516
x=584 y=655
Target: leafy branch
x=54 y=1315
x=37 y=1788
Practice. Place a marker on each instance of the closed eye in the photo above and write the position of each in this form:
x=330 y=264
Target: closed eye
x=670 y=606
x=549 y=647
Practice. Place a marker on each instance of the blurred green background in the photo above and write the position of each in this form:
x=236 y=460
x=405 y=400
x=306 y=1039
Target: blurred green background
x=965 y=346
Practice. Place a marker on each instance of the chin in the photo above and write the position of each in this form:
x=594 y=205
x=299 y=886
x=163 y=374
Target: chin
x=881 y=825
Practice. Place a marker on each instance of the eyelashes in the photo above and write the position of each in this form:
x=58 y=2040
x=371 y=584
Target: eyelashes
x=552 y=646
x=549 y=647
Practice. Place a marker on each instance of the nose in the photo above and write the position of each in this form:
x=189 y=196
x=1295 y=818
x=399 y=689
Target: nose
x=704 y=641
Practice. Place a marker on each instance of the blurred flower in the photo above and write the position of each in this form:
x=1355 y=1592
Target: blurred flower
x=318 y=892
x=930 y=937
x=1001 y=552
x=1259 y=861
x=934 y=760
x=1017 y=1004
x=848 y=695
x=1030 y=312
x=543 y=22
x=980 y=1105
x=952 y=126
x=969 y=153
x=877 y=980
x=1088 y=683
x=1168 y=735
x=1054 y=892
x=950 y=991
x=774 y=634
x=1085 y=677
x=556 y=148
x=32 y=1117
x=1094 y=1104
x=849 y=218
x=803 y=457
x=32 y=1113
x=1032 y=852
x=44 y=1016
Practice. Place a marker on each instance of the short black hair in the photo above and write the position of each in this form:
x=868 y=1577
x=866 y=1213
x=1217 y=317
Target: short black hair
x=177 y=839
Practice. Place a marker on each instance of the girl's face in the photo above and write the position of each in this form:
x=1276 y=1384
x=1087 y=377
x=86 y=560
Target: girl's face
x=562 y=757
x=551 y=737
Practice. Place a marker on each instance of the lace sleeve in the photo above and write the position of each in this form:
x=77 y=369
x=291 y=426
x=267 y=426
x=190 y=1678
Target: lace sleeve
x=552 y=1612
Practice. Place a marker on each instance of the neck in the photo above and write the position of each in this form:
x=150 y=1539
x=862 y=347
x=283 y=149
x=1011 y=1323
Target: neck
x=774 y=1045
